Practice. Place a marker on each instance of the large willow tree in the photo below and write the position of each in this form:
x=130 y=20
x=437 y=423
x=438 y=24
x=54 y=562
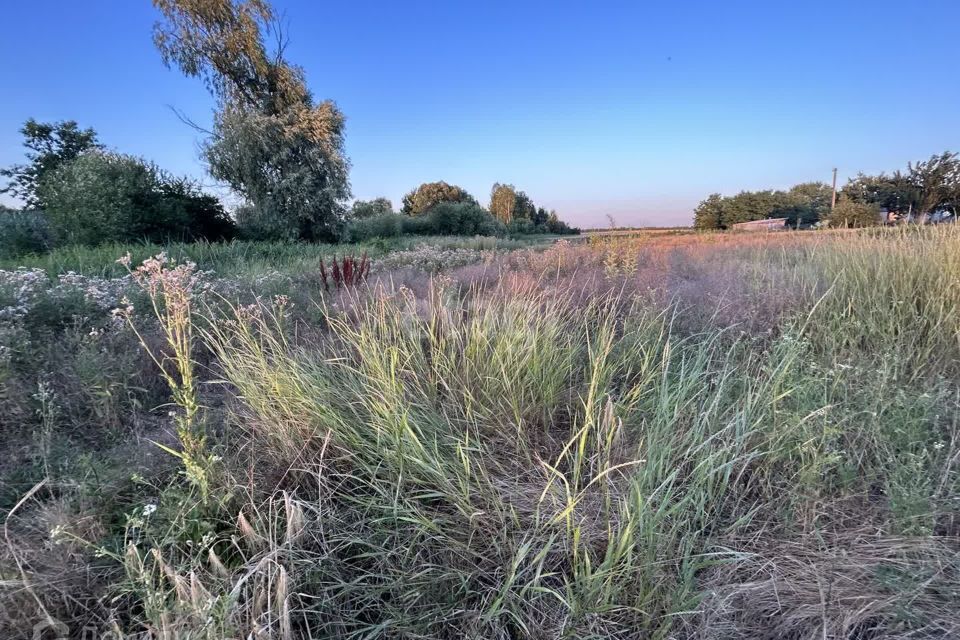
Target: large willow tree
x=271 y=142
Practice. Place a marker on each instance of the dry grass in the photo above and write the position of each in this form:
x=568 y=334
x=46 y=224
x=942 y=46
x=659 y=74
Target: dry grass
x=681 y=436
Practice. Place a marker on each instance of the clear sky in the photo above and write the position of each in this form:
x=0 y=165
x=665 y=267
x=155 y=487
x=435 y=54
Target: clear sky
x=633 y=109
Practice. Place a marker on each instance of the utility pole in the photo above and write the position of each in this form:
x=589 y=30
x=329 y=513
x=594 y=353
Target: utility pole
x=833 y=200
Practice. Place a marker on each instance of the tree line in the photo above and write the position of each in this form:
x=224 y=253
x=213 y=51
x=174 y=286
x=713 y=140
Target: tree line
x=442 y=208
x=926 y=190
x=275 y=145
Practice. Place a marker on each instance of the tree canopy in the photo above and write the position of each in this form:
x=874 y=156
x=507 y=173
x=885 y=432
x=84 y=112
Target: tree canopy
x=803 y=204
x=271 y=142
x=428 y=194
x=50 y=145
x=924 y=188
x=369 y=208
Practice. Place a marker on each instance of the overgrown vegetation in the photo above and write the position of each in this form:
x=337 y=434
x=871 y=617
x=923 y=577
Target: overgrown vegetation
x=674 y=436
x=928 y=191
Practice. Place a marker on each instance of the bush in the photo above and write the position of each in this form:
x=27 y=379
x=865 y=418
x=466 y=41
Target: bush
x=559 y=227
x=23 y=233
x=444 y=219
x=386 y=225
x=108 y=197
x=456 y=219
x=848 y=213
x=552 y=224
x=191 y=215
x=519 y=226
x=371 y=208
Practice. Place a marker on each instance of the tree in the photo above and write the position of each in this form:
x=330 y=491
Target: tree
x=508 y=204
x=369 y=208
x=849 y=213
x=541 y=217
x=296 y=179
x=503 y=201
x=709 y=213
x=808 y=202
x=894 y=193
x=50 y=144
x=524 y=209
x=935 y=182
x=271 y=142
x=429 y=194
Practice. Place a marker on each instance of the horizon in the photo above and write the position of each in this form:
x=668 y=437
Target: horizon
x=578 y=108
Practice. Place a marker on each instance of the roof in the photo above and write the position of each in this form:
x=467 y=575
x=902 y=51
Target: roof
x=767 y=222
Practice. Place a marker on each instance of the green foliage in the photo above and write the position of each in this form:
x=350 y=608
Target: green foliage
x=808 y=203
x=455 y=219
x=370 y=208
x=23 y=233
x=555 y=225
x=296 y=180
x=517 y=211
x=384 y=225
x=50 y=146
x=849 y=213
x=271 y=142
x=924 y=188
x=189 y=214
x=507 y=450
x=709 y=213
x=106 y=197
x=936 y=183
x=503 y=199
x=891 y=192
x=803 y=204
x=429 y=194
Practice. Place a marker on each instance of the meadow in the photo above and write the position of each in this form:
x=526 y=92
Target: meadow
x=683 y=435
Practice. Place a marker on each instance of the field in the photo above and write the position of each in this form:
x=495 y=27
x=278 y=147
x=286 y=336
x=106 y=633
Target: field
x=628 y=436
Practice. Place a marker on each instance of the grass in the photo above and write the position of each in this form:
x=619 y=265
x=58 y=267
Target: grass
x=684 y=436
x=245 y=258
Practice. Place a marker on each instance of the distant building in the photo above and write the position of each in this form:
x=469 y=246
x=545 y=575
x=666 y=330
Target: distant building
x=770 y=224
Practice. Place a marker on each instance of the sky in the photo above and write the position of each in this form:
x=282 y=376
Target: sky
x=636 y=110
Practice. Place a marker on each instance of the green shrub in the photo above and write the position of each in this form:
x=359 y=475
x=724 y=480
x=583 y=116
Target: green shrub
x=23 y=233
x=105 y=197
x=455 y=219
x=370 y=208
x=522 y=226
x=848 y=213
x=386 y=225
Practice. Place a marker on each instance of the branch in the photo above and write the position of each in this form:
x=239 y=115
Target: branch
x=187 y=121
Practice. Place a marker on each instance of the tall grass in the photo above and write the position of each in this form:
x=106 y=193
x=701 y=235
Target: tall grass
x=241 y=258
x=560 y=453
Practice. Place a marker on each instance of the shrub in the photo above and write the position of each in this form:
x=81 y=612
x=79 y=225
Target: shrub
x=368 y=209
x=23 y=233
x=194 y=215
x=456 y=219
x=386 y=225
x=848 y=213
x=103 y=197
x=521 y=226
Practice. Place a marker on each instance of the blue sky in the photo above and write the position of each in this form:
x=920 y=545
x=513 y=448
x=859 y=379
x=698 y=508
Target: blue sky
x=633 y=109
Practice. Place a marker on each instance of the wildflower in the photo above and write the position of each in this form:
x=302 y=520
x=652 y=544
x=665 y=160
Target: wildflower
x=149 y=509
